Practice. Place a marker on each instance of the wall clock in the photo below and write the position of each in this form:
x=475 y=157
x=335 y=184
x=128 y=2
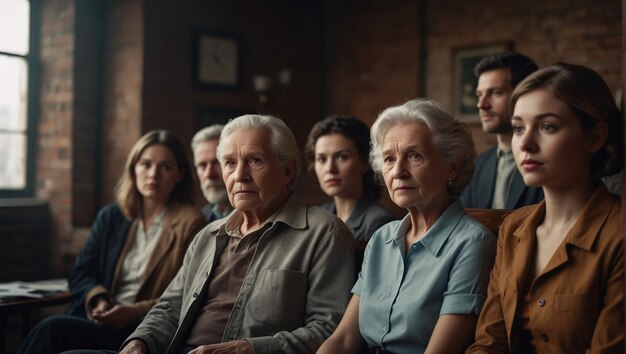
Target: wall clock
x=216 y=60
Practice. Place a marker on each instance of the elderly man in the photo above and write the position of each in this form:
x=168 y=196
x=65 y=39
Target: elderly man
x=204 y=147
x=273 y=277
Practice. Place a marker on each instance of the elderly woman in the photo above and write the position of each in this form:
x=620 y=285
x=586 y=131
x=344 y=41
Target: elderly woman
x=337 y=151
x=133 y=251
x=424 y=278
x=557 y=284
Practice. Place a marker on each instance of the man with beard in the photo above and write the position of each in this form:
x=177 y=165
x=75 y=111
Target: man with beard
x=204 y=147
x=496 y=183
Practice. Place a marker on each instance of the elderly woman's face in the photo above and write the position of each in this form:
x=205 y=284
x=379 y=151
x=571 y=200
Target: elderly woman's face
x=415 y=173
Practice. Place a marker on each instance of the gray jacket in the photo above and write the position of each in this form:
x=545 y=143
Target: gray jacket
x=292 y=298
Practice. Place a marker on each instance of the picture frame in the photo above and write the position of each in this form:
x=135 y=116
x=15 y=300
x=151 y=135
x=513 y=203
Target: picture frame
x=216 y=59
x=464 y=81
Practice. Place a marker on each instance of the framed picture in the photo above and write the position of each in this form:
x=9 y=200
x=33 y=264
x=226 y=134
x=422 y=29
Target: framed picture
x=464 y=80
x=216 y=60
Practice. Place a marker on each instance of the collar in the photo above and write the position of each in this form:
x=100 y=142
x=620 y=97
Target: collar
x=501 y=153
x=435 y=238
x=293 y=214
x=358 y=213
x=587 y=226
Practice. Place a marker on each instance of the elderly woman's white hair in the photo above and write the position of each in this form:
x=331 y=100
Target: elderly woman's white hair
x=212 y=132
x=452 y=138
x=282 y=140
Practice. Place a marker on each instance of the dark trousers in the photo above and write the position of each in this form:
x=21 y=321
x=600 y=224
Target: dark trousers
x=60 y=333
x=185 y=350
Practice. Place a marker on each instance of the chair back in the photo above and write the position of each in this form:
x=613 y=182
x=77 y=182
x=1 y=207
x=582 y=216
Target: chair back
x=491 y=218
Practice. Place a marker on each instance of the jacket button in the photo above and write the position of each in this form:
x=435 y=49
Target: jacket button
x=541 y=302
x=195 y=295
x=543 y=336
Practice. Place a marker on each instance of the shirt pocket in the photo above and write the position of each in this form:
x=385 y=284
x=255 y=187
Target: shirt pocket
x=279 y=299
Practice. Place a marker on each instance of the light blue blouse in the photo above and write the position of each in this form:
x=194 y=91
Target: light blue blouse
x=445 y=272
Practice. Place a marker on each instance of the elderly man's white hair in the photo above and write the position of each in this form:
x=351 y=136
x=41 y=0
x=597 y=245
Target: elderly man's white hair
x=212 y=132
x=282 y=140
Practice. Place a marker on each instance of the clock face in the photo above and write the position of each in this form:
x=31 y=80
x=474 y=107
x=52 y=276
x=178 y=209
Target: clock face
x=218 y=60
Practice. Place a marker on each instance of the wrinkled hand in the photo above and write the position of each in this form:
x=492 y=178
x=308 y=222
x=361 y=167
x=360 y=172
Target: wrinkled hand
x=234 y=347
x=118 y=316
x=135 y=346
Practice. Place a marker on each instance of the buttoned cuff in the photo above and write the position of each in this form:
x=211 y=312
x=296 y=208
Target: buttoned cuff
x=262 y=345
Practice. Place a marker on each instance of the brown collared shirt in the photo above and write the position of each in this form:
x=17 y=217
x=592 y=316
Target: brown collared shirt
x=225 y=283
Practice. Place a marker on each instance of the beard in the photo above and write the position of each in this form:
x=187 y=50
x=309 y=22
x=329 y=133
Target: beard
x=214 y=191
x=500 y=126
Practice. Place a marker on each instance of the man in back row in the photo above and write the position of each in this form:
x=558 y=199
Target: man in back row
x=204 y=146
x=497 y=184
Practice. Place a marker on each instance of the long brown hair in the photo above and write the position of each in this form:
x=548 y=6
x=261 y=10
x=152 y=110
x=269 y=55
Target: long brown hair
x=128 y=197
x=589 y=97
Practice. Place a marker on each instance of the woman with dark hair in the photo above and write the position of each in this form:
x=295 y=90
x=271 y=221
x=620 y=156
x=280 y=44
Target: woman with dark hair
x=557 y=284
x=337 y=152
x=134 y=249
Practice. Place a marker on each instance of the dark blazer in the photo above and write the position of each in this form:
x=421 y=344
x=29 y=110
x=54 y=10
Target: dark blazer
x=99 y=263
x=479 y=193
x=579 y=295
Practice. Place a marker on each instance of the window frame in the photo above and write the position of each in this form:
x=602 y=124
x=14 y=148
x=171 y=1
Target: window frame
x=32 y=104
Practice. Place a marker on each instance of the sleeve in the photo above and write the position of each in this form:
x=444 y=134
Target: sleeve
x=469 y=277
x=86 y=280
x=491 y=334
x=608 y=335
x=329 y=282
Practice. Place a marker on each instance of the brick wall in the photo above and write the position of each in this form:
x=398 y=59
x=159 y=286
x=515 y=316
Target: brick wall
x=54 y=126
x=373 y=46
x=123 y=80
x=586 y=32
x=372 y=56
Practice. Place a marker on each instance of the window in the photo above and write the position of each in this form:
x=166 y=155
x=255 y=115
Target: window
x=15 y=54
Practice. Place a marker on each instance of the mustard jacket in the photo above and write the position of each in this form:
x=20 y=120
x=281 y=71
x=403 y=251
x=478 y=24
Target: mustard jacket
x=99 y=265
x=578 y=297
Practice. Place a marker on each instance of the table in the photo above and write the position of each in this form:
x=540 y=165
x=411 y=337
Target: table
x=24 y=307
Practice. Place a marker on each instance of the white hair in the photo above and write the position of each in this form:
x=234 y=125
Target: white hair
x=212 y=132
x=282 y=140
x=451 y=137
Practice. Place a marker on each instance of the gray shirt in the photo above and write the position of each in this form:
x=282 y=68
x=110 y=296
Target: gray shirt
x=506 y=167
x=367 y=217
x=293 y=295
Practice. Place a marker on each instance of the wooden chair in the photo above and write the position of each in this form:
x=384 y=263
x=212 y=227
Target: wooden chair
x=491 y=218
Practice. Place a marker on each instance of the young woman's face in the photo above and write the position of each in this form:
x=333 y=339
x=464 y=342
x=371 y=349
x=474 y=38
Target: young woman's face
x=338 y=166
x=156 y=173
x=549 y=145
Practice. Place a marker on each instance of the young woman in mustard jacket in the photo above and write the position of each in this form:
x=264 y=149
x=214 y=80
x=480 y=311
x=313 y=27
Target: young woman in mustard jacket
x=557 y=284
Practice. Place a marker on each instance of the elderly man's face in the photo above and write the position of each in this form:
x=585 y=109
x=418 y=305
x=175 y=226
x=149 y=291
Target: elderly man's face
x=209 y=172
x=255 y=180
